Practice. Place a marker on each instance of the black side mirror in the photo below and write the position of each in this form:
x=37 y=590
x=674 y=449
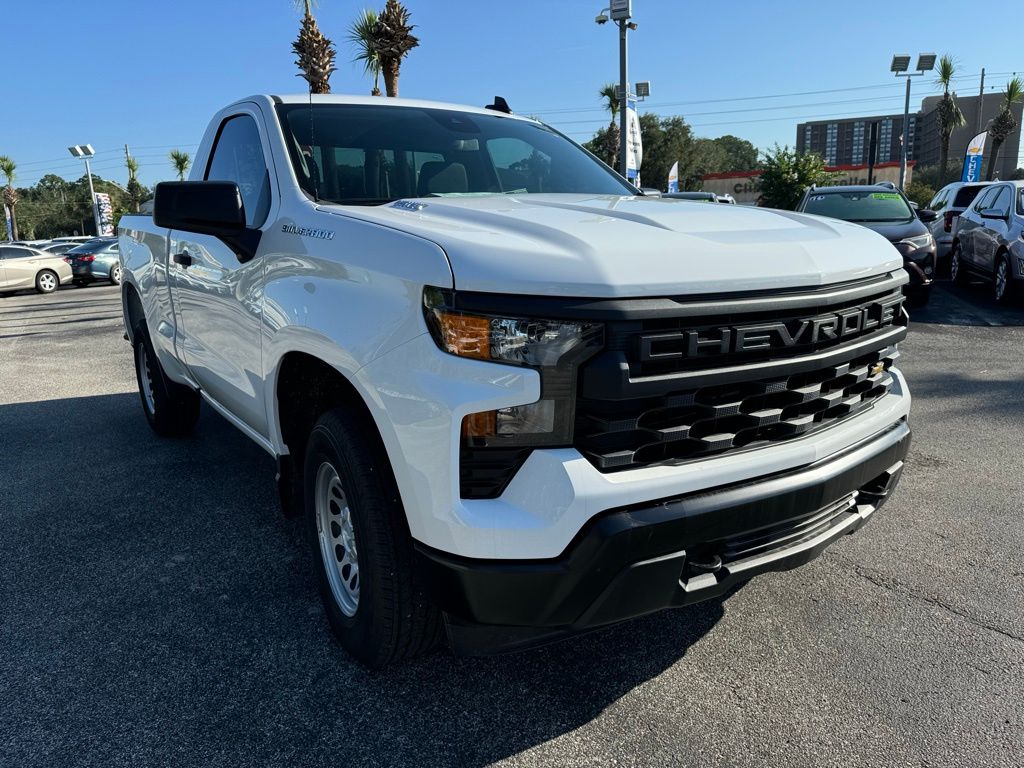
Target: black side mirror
x=206 y=208
x=993 y=213
x=927 y=215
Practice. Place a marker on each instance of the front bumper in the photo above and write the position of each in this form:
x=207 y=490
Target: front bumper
x=639 y=559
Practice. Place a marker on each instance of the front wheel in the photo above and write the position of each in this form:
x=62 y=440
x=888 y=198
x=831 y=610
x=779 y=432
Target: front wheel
x=361 y=547
x=47 y=282
x=1003 y=282
x=957 y=272
x=171 y=409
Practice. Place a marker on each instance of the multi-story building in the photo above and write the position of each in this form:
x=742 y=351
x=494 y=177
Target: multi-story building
x=847 y=142
x=928 y=136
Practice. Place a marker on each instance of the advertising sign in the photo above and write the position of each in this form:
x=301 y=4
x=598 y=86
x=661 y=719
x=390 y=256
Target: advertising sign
x=673 y=177
x=634 y=145
x=621 y=9
x=973 y=157
x=104 y=214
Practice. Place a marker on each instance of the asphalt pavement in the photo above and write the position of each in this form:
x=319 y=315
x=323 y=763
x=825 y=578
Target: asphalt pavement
x=157 y=609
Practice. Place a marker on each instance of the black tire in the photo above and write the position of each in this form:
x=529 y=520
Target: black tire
x=1003 y=287
x=47 y=281
x=391 y=618
x=115 y=274
x=957 y=270
x=80 y=283
x=171 y=409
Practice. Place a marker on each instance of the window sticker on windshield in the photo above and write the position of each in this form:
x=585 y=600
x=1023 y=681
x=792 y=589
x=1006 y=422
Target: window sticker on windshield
x=816 y=198
x=884 y=196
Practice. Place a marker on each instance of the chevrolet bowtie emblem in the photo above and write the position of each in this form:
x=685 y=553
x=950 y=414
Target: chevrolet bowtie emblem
x=877 y=368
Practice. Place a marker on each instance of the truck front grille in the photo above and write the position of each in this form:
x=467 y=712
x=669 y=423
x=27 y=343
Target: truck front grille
x=679 y=388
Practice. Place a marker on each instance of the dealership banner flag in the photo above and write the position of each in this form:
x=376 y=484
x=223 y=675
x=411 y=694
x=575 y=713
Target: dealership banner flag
x=9 y=220
x=104 y=214
x=972 y=158
x=673 y=177
x=634 y=144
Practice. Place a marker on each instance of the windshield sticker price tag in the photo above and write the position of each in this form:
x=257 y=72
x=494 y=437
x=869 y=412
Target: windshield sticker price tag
x=884 y=196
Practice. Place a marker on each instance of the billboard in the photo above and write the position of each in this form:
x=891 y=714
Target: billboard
x=104 y=214
x=972 y=158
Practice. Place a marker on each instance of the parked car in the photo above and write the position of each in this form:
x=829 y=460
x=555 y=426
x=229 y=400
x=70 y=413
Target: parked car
x=989 y=240
x=58 y=249
x=513 y=400
x=73 y=239
x=884 y=209
x=95 y=260
x=24 y=267
x=949 y=202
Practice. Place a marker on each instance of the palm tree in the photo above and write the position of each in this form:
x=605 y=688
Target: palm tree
x=949 y=116
x=135 y=189
x=7 y=167
x=392 y=40
x=613 y=136
x=316 y=53
x=360 y=34
x=181 y=161
x=1002 y=125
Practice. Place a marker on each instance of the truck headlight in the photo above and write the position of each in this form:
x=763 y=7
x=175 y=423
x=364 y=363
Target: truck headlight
x=555 y=348
x=921 y=241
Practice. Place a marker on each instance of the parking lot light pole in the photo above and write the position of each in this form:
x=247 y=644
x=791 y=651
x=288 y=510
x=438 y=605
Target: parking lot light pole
x=84 y=152
x=900 y=66
x=620 y=12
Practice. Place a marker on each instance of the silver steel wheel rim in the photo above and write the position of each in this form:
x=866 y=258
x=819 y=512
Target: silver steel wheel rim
x=47 y=283
x=1001 y=279
x=146 y=380
x=337 y=539
x=116 y=277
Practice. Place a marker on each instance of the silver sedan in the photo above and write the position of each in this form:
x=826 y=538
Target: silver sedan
x=23 y=267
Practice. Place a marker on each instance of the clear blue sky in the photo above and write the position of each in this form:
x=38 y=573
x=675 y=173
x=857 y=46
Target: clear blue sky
x=150 y=74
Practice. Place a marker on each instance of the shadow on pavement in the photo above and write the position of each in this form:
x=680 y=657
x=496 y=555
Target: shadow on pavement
x=970 y=304
x=157 y=608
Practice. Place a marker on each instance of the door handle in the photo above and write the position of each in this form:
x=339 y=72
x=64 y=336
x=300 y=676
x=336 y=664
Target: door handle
x=183 y=258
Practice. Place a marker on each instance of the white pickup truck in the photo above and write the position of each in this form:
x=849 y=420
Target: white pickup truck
x=512 y=397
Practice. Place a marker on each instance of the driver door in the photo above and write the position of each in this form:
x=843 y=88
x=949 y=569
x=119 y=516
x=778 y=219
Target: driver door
x=218 y=296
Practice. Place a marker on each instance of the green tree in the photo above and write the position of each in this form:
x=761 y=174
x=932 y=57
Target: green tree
x=136 y=192
x=7 y=167
x=948 y=114
x=360 y=34
x=666 y=141
x=1003 y=124
x=740 y=154
x=181 y=161
x=920 y=192
x=315 y=53
x=609 y=150
x=392 y=39
x=785 y=175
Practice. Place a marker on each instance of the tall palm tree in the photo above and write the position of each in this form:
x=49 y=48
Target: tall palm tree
x=181 y=161
x=316 y=53
x=360 y=34
x=7 y=167
x=949 y=116
x=392 y=41
x=134 y=188
x=613 y=136
x=1002 y=125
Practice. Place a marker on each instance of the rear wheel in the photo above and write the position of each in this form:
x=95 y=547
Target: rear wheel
x=957 y=273
x=1003 y=282
x=115 y=274
x=361 y=547
x=47 y=281
x=171 y=409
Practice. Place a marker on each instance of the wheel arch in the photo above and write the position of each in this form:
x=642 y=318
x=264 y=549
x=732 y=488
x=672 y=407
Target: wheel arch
x=131 y=307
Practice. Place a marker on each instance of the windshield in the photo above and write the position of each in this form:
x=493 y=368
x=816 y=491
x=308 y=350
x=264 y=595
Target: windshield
x=860 y=206
x=359 y=154
x=1020 y=201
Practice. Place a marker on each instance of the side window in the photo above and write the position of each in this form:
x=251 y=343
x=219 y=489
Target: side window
x=939 y=201
x=1002 y=202
x=984 y=199
x=238 y=157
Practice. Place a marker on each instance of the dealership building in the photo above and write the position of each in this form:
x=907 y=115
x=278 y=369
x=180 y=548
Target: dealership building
x=745 y=186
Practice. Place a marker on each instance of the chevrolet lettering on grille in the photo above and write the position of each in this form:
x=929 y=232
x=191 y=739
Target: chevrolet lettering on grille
x=812 y=332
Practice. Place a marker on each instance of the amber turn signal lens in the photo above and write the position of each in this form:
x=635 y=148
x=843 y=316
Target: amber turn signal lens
x=466 y=335
x=484 y=424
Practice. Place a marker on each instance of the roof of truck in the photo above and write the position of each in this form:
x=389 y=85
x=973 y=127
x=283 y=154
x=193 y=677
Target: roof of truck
x=347 y=98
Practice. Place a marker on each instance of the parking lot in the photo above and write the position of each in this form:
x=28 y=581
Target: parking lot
x=156 y=608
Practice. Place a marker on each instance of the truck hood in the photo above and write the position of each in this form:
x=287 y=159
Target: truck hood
x=609 y=247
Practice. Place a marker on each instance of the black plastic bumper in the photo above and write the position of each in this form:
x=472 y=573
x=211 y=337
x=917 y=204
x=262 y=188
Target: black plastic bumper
x=638 y=560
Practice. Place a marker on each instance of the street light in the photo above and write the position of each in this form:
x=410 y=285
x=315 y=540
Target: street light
x=899 y=67
x=620 y=11
x=84 y=152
